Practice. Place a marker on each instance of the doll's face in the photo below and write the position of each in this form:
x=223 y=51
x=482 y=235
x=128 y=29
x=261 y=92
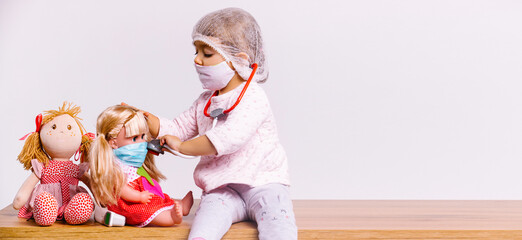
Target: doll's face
x=61 y=137
x=121 y=140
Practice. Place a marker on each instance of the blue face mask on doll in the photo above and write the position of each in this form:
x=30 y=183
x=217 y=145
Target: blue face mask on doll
x=132 y=154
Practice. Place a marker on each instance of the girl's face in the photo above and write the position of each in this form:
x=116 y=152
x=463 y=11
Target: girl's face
x=121 y=140
x=207 y=56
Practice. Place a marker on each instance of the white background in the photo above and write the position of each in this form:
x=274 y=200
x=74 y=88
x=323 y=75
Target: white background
x=373 y=99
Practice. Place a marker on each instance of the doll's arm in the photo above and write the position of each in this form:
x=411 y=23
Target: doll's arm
x=86 y=179
x=132 y=195
x=23 y=194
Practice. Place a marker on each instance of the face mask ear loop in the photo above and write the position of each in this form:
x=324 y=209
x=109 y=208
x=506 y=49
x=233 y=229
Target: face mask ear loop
x=205 y=111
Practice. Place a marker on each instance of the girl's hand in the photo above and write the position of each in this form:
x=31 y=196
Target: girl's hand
x=145 y=196
x=173 y=141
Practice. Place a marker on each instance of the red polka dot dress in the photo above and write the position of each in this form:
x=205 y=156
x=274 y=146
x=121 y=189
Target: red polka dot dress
x=141 y=214
x=58 y=188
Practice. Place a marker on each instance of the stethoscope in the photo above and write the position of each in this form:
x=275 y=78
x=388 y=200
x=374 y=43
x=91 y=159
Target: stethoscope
x=219 y=112
x=155 y=146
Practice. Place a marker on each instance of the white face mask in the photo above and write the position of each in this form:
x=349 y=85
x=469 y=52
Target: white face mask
x=215 y=77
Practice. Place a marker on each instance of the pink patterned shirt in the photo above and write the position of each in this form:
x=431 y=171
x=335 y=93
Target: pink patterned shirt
x=248 y=148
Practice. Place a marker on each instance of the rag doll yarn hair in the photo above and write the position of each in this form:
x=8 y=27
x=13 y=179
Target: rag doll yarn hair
x=33 y=148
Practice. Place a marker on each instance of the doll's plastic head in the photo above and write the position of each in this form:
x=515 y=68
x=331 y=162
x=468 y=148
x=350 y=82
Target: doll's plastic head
x=107 y=178
x=232 y=31
x=111 y=121
x=61 y=135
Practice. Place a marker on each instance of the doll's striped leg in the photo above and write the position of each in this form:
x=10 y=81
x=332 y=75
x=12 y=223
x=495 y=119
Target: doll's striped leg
x=271 y=207
x=45 y=209
x=79 y=209
x=216 y=213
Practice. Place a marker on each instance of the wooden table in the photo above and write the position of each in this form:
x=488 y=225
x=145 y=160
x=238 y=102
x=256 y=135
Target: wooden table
x=323 y=219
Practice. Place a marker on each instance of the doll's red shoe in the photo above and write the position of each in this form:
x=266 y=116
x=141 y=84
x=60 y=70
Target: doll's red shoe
x=45 y=209
x=79 y=209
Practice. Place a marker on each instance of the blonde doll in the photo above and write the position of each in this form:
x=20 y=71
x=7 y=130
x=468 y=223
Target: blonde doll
x=123 y=175
x=47 y=152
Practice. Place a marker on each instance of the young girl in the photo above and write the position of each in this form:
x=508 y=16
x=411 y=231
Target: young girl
x=47 y=152
x=243 y=168
x=123 y=174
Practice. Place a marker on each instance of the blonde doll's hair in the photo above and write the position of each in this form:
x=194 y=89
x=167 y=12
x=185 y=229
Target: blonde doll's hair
x=107 y=178
x=33 y=148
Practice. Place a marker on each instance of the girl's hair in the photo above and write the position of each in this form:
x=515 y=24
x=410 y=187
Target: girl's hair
x=107 y=178
x=33 y=148
x=231 y=31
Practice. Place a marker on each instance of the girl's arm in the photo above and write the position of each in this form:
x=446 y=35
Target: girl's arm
x=152 y=121
x=154 y=124
x=132 y=195
x=199 y=146
x=23 y=194
x=183 y=126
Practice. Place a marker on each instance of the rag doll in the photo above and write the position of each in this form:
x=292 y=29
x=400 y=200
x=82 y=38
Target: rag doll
x=51 y=191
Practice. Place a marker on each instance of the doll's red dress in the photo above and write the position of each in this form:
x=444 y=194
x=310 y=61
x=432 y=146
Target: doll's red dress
x=60 y=179
x=141 y=214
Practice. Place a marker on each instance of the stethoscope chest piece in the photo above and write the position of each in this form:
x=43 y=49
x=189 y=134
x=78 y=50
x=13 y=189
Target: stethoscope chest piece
x=215 y=115
x=220 y=112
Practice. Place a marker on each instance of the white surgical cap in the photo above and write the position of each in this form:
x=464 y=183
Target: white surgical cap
x=231 y=31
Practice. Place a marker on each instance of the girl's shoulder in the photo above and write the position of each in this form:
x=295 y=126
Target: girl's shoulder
x=257 y=93
x=205 y=95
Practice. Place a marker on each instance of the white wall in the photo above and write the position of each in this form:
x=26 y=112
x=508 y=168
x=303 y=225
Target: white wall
x=374 y=99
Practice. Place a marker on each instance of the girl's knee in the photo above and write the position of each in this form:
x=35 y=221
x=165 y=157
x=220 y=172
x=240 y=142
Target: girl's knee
x=276 y=222
x=273 y=208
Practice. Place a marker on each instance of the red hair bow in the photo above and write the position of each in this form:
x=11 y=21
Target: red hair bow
x=38 y=122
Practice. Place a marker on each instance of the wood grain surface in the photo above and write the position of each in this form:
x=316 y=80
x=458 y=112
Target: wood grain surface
x=322 y=219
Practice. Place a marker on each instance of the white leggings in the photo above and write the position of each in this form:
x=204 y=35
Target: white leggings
x=268 y=205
